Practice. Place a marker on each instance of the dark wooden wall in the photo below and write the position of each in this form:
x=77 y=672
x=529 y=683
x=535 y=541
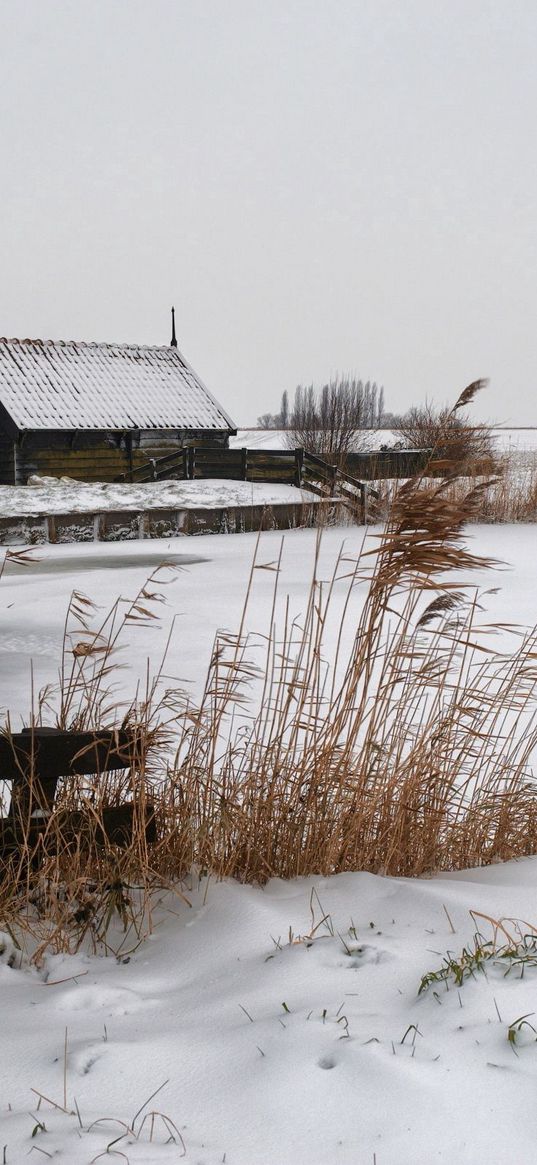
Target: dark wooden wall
x=7 y=465
x=91 y=456
x=381 y=465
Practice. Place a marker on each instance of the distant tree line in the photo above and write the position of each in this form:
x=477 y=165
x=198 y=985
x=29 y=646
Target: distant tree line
x=364 y=403
x=329 y=420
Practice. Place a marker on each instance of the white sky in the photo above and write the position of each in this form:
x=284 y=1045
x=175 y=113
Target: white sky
x=318 y=185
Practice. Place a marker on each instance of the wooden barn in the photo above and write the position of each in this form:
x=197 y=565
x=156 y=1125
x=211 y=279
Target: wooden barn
x=94 y=411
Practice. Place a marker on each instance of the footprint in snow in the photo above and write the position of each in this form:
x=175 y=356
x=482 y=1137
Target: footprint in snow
x=358 y=954
x=327 y=1062
x=82 y=1059
x=112 y=1000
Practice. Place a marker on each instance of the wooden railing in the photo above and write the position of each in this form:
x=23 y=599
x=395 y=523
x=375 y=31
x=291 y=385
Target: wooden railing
x=279 y=466
x=202 y=461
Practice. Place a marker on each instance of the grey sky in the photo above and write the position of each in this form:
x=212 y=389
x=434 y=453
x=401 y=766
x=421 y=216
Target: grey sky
x=316 y=185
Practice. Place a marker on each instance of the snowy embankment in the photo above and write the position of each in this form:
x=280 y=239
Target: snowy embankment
x=283 y=1025
x=50 y=495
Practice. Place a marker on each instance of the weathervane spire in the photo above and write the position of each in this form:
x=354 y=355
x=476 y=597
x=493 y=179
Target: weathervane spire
x=173 y=343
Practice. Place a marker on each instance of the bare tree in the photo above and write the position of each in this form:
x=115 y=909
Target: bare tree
x=329 y=421
x=266 y=421
x=276 y=420
x=450 y=434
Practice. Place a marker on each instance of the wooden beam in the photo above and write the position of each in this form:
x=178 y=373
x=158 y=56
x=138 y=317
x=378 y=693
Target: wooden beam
x=49 y=753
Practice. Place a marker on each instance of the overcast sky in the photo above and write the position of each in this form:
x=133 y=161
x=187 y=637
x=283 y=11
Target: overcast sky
x=318 y=185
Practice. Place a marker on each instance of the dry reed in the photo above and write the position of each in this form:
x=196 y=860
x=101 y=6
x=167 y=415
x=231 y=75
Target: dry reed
x=510 y=496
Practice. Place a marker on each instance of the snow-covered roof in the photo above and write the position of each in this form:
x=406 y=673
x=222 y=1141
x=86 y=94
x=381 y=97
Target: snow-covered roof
x=48 y=384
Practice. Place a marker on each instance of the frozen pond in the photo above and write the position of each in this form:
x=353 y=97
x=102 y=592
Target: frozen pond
x=204 y=593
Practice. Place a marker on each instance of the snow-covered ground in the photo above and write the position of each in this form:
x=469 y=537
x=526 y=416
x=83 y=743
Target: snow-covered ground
x=281 y=439
x=516 y=439
x=266 y=1048
x=65 y=496
x=269 y=1048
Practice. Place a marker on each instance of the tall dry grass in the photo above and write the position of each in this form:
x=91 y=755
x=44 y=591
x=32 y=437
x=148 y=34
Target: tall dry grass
x=403 y=748
x=406 y=753
x=510 y=496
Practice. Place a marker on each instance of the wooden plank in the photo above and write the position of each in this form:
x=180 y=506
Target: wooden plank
x=258 y=454
x=316 y=489
x=321 y=462
x=274 y=477
x=217 y=474
x=52 y=753
x=386 y=464
x=217 y=466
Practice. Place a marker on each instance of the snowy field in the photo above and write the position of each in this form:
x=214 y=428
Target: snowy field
x=281 y=439
x=268 y=1050
x=268 y=1047
x=521 y=440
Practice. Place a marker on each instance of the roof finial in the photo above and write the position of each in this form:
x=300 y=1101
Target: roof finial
x=174 y=337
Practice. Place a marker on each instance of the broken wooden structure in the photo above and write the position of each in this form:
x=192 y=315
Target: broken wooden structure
x=35 y=760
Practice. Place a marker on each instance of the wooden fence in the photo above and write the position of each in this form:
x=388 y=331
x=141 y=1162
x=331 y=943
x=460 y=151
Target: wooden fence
x=294 y=467
x=287 y=466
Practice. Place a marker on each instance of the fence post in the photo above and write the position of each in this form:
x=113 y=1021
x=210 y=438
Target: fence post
x=299 y=467
x=244 y=464
x=191 y=461
x=363 y=499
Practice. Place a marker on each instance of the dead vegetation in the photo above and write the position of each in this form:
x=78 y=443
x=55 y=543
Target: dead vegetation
x=510 y=496
x=450 y=434
x=406 y=750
